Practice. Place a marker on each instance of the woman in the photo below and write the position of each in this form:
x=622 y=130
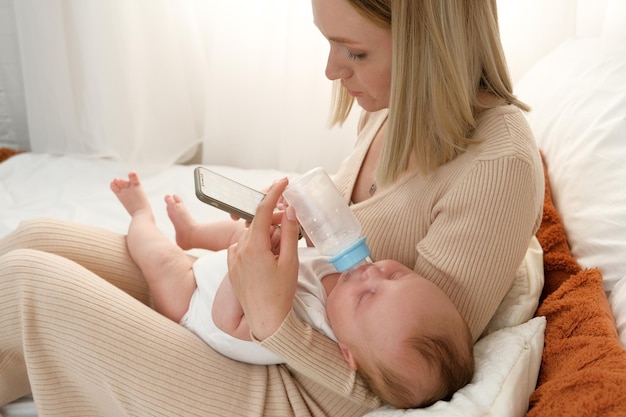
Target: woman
x=444 y=178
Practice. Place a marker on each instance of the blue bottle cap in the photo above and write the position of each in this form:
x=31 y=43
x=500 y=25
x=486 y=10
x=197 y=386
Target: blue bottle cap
x=351 y=256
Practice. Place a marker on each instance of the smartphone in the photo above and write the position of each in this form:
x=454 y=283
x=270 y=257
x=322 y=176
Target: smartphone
x=226 y=194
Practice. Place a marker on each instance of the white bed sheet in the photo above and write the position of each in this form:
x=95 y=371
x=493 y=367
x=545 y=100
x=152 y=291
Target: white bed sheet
x=35 y=185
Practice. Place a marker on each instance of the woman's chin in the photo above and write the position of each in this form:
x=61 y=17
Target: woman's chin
x=369 y=105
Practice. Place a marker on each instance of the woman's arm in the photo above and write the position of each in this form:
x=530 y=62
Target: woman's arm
x=265 y=282
x=480 y=234
x=314 y=357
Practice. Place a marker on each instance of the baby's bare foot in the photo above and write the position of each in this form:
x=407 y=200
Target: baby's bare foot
x=183 y=223
x=130 y=193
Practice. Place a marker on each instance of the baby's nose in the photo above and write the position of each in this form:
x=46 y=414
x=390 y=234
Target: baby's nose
x=370 y=272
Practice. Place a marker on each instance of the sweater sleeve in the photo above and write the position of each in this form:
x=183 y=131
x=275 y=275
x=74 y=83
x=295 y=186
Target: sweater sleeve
x=317 y=358
x=480 y=233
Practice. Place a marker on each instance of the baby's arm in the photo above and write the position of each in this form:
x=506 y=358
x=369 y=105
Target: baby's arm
x=227 y=312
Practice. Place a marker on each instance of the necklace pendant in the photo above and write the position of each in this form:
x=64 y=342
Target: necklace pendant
x=373 y=189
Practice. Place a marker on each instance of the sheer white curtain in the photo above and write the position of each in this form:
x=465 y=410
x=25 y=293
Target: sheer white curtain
x=268 y=99
x=13 y=124
x=148 y=80
x=114 y=78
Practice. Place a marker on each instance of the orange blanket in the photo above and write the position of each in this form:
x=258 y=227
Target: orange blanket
x=6 y=153
x=583 y=368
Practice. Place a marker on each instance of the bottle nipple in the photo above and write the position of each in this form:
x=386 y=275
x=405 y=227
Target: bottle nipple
x=351 y=257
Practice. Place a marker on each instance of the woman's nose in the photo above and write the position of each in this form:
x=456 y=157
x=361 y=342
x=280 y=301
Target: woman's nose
x=335 y=70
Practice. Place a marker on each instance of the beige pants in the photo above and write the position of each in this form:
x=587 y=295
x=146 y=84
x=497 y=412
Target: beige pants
x=85 y=347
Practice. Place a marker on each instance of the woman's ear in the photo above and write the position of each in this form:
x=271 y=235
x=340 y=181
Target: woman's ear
x=348 y=356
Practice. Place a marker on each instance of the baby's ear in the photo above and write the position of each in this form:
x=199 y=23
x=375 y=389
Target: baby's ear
x=348 y=356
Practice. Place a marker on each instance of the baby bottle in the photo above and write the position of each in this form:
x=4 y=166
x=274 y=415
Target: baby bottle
x=327 y=219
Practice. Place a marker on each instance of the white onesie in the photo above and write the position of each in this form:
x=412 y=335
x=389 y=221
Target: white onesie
x=309 y=304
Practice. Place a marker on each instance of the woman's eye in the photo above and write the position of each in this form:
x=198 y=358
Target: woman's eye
x=356 y=57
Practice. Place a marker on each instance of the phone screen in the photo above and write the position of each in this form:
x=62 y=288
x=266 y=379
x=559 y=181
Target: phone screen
x=226 y=194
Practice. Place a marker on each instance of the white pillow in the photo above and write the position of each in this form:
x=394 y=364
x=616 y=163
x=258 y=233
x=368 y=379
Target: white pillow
x=617 y=300
x=520 y=303
x=578 y=96
x=507 y=366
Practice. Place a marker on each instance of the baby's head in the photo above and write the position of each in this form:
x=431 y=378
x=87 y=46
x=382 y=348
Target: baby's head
x=401 y=333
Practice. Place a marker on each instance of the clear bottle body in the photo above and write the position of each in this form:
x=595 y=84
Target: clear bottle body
x=326 y=218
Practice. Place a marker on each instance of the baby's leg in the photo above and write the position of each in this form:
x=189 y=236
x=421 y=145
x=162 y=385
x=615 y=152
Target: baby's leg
x=184 y=225
x=190 y=234
x=165 y=266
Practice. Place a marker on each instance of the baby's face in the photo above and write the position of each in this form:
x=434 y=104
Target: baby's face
x=379 y=305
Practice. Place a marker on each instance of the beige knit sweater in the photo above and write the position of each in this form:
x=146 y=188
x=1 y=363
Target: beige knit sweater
x=467 y=226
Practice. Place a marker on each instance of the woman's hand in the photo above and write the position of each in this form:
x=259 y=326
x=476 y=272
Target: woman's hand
x=264 y=277
x=281 y=205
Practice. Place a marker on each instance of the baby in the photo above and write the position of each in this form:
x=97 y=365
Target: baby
x=399 y=331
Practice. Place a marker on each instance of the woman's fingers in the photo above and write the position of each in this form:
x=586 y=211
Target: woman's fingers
x=289 y=236
x=265 y=215
x=263 y=278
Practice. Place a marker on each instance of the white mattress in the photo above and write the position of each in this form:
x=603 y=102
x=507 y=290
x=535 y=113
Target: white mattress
x=34 y=185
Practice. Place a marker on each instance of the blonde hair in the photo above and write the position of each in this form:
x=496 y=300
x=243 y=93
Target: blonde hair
x=444 y=54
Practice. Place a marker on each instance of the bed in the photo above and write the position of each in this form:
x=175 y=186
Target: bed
x=569 y=358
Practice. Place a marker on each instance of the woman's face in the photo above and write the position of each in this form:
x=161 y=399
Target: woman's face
x=360 y=52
